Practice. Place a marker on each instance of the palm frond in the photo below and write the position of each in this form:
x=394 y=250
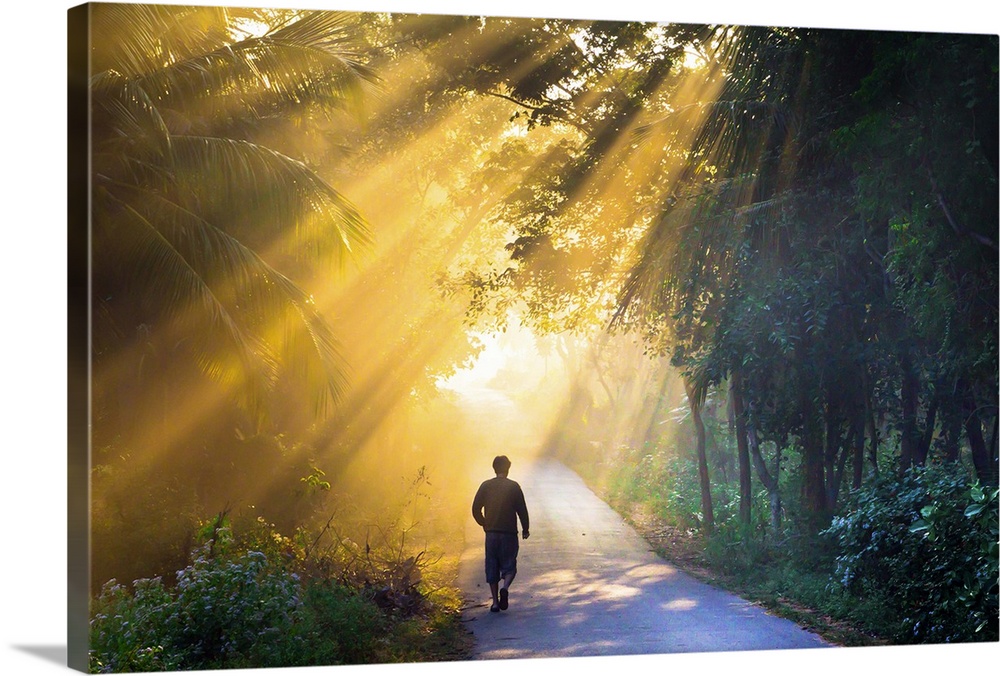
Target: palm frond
x=262 y=295
x=162 y=276
x=239 y=293
x=185 y=197
x=698 y=380
x=141 y=38
x=253 y=190
x=126 y=121
x=246 y=186
x=312 y=60
x=319 y=363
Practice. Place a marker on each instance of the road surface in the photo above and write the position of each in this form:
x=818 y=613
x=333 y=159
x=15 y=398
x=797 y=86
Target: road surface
x=588 y=585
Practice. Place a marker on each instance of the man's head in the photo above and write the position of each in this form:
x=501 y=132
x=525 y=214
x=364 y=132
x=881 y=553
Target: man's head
x=501 y=465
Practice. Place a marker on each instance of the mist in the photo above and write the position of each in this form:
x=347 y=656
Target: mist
x=435 y=361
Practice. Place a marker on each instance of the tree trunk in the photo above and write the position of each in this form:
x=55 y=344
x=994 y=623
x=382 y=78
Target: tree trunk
x=750 y=444
x=859 y=450
x=830 y=452
x=742 y=450
x=706 y=487
x=770 y=482
x=982 y=460
x=951 y=426
x=814 y=486
x=837 y=479
x=774 y=502
x=720 y=459
x=994 y=441
x=870 y=423
x=909 y=398
x=924 y=447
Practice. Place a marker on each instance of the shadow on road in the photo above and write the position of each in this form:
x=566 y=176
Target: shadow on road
x=589 y=585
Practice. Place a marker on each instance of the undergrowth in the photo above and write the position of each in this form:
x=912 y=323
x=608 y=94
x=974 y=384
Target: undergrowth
x=251 y=596
x=911 y=560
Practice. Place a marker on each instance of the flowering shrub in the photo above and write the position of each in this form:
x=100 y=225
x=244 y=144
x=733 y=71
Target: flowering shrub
x=221 y=613
x=234 y=607
x=129 y=631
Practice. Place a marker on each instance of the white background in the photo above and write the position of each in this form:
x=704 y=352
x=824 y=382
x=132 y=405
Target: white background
x=33 y=409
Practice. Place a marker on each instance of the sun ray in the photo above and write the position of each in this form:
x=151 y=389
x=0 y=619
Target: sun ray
x=434 y=182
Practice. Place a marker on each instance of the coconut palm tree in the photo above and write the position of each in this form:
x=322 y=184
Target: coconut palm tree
x=187 y=200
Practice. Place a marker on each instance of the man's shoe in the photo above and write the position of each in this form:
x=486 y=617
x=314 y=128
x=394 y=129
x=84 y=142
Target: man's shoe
x=494 y=608
x=503 y=599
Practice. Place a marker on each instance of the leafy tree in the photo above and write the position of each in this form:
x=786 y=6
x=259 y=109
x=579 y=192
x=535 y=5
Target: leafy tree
x=769 y=206
x=925 y=157
x=778 y=213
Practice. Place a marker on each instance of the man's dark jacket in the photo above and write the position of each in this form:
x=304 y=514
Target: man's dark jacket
x=498 y=504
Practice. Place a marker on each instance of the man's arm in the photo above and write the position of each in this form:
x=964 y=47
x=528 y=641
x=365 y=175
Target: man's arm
x=477 y=508
x=522 y=513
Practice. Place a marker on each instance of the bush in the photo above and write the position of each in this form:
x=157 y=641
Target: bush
x=338 y=626
x=665 y=482
x=926 y=544
x=221 y=613
x=260 y=599
x=738 y=549
x=233 y=613
x=129 y=631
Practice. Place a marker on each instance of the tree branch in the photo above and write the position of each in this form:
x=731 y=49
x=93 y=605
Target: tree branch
x=959 y=230
x=561 y=118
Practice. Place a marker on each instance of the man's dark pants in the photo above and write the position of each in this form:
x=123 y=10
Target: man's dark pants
x=501 y=555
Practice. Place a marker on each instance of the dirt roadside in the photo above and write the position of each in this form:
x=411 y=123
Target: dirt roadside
x=684 y=549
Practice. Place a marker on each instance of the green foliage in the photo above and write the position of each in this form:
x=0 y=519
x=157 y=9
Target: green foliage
x=338 y=625
x=241 y=612
x=233 y=613
x=739 y=549
x=911 y=559
x=927 y=545
x=252 y=597
x=129 y=631
x=188 y=188
x=662 y=480
x=315 y=481
x=221 y=613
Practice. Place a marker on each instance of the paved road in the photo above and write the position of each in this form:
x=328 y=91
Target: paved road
x=588 y=585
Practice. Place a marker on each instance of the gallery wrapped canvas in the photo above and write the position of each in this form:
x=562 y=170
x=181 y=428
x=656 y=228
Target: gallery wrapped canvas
x=406 y=337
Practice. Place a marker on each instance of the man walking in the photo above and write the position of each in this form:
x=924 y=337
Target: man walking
x=498 y=504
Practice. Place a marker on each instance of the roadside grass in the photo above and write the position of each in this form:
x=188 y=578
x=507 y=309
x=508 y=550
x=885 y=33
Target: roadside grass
x=440 y=635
